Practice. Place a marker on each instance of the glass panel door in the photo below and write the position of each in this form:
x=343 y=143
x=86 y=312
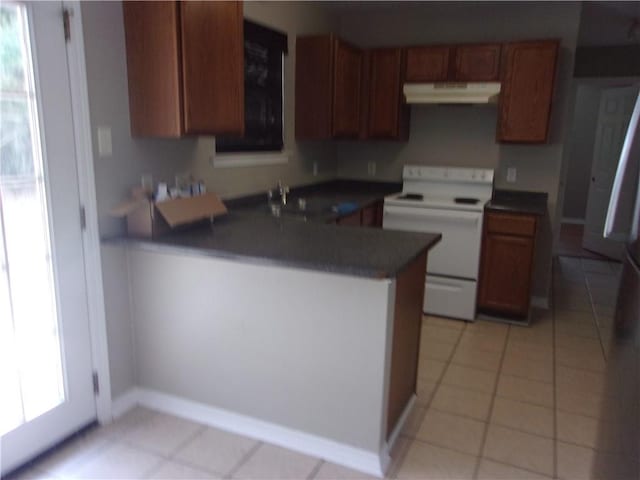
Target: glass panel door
x=31 y=367
x=45 y=348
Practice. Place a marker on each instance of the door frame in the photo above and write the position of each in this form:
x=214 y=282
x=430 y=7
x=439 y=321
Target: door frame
x=602 y=83
x=87 y=190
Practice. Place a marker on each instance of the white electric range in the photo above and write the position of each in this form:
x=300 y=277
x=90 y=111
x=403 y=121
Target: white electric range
x=449 y=201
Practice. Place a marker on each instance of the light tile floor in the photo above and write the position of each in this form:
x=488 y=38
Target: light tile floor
x=495 y=401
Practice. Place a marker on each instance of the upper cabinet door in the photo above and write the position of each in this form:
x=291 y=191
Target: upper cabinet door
x=314 y=85
x=477 y=63
x=347 y=82
x=428 y=64
x=153 y=66
x=527 y=89
x=185 y=64
x=388 y=115
x=212 y=67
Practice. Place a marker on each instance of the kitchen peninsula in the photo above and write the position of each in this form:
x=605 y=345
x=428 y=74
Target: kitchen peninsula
x=300 y=333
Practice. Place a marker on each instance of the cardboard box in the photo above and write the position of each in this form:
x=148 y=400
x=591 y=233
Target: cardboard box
x=148 y=219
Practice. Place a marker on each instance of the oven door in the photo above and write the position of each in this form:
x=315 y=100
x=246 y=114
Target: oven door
x=458 y=253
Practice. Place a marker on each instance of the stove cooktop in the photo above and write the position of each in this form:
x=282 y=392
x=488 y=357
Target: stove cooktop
x=411 y=196
x=420 y=200
x=466 y=200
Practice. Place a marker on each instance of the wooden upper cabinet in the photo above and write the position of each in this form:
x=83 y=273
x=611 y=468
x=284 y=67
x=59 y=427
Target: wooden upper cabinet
x=388 y=114
x=428 y=64
x=347 y=80
x=314 y=87
x=328 y=88
x=213 y=67
x=459 y=63
x=527 y=89
x=185 y=64
x=153 y=68
x=477 y=63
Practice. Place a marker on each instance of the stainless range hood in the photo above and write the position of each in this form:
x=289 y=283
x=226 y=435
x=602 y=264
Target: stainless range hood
x=447 y=93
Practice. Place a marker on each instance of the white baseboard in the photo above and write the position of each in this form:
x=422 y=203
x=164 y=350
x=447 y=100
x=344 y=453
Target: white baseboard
x=540 y=302
x=125 y=402
x=573 y=221
x=351 y=457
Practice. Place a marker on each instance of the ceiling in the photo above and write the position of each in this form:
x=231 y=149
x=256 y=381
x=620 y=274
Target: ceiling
x=602 y=22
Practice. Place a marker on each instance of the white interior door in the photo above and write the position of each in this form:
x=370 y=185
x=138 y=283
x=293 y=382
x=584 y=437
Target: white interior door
x=616 y=105
x=45 y=353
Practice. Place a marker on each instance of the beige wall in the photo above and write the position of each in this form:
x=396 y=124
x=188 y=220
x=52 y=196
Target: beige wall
x=466 y=135
x=292 y=18
x=105 y=52
x=109 y=106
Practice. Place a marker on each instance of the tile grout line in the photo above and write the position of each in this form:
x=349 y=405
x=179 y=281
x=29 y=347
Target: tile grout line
x=394 y=469
x=245 y=458
x=314 y=471
x=555 y=383
x=595 y=316
x=485 y=433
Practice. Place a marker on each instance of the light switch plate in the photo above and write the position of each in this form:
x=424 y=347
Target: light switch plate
x=371 y=168
x=105 y=148
x=315 y=169
x=511 y=174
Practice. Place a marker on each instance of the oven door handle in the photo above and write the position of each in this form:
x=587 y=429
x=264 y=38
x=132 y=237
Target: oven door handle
x=425 y=214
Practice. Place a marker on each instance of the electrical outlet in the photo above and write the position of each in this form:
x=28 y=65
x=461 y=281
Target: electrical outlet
x=511 y=174
x=315 y=169
x=371 y=168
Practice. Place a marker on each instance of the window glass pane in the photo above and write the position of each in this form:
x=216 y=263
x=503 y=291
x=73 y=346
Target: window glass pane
x=12 y=71
x=263 y=93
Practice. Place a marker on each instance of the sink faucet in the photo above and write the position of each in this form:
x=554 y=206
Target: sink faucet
x=284 y=191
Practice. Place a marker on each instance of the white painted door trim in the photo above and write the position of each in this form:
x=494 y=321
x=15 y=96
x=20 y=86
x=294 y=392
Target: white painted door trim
x=87 y=189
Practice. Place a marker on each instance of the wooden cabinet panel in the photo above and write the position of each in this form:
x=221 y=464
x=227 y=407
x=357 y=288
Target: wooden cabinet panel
x=185 y=64
x=477 y=63
x=508 y=224
x=213 y=66
x=527 y=90
x=370 y=216
x=428 y=64
x=328 y=88
x=347 y=79
x=506 y=268
x=314 y=76
x=153 y=68
x=407 y=324
x=388 y=115
x=353 y=219
x=506 y=280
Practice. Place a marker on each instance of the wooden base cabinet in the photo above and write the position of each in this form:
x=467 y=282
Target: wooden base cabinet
x=506 y=270
x=185 y=65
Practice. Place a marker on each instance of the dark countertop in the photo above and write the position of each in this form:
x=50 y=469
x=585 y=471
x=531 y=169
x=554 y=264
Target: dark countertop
x=250 y=233
x=364 y=252
x=534 y=203
x=320 y=198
